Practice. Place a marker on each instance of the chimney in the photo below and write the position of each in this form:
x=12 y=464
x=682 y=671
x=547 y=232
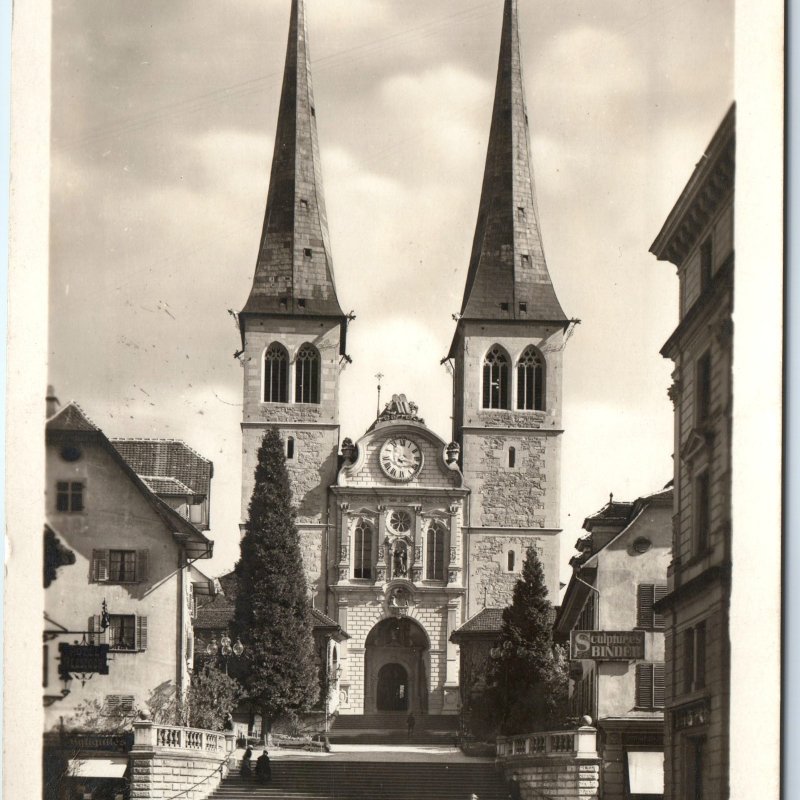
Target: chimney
x=52 y=404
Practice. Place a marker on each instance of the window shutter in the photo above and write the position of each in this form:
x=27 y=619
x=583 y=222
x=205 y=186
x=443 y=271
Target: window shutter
x=100 y=565
x=644 y=610
x=659 y=593
x=658 y=685
x=141 y=633
x=141 y=565
x=644 y=685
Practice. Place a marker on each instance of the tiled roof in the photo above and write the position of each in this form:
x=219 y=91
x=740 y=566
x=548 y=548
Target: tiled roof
x=168 y=486
x=323 y=620
x=487 y=620
x=167 y=458
x=70 y=418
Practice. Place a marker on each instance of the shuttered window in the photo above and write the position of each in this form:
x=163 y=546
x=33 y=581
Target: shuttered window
x=119 y=566
x=646 y=616
x=650 y=685
x=119 y=703
x=125 y=632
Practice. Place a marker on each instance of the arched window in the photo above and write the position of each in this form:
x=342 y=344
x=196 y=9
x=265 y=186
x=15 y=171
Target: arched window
x=434 y=556
x=306 y=375
x=530 y=380
x=362 y=550
x=495 y=378
x=511 y=559
x=276 y=374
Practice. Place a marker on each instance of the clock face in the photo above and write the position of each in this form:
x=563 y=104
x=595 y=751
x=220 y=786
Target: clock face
x=400 y=458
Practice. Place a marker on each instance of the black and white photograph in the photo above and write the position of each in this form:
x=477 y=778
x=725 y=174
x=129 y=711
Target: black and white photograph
x=387 y=380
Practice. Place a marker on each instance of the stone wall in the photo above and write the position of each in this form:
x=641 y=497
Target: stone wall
x=561 y=765
x=167 y=761
x=491 y=583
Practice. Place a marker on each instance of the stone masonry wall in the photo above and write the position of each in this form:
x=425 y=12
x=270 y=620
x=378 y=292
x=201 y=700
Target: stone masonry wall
x=164 y=776
x=491 y=584
x=563 y=778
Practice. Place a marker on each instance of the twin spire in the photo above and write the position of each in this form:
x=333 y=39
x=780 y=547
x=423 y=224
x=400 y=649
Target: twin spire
x=507 y=278
x=294 y=271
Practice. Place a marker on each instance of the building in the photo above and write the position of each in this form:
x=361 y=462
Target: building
x=617 y=661
x=175 y=472
x=697 y=238
x=117 y=573
x=405 y=535
x=212 y=623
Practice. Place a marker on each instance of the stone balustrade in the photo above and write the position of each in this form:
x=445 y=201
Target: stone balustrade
x=561 y=764
x=169 y=759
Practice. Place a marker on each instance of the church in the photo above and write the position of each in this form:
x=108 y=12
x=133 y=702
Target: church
x=405 y=536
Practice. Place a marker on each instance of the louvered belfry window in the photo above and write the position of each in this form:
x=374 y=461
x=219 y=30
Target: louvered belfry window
x=362 y=550
x=495 y=379
x=435 y=552
x=530 y=380
x=650 y=683
x=276 y=374
x=647 y=595
x=306 y=375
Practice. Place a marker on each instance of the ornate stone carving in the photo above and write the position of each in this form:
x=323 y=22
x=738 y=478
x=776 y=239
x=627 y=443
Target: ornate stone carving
x=452 y=576
x=452 y=452
x=381 y=573
x=418 y=553
x=343 y=554
x=400 y=408
x=452 y=555
x=344 y=506
x=343 y=574
x=416 y=574
x=454 y=509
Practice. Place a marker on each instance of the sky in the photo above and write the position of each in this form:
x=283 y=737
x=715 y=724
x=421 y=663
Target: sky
x=163 y=122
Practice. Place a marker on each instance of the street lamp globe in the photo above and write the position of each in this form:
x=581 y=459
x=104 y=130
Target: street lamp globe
x=225 y=643
x=238 y=647
x=212 y=648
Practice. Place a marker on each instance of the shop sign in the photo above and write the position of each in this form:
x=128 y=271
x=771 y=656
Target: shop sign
x=607 y=645
x=82 y=659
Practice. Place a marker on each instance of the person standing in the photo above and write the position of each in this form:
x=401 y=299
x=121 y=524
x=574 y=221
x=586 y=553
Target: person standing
x=246 y=770
x=410 y=723
x=515 y=793
x=263 y=768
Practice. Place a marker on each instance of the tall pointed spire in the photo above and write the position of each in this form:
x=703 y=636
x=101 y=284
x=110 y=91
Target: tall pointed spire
x=508 y=277
x=294 y=270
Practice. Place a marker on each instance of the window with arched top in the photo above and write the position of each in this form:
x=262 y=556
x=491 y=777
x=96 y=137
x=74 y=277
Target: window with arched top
x=362 y=550
x=434 y=552
x=276 y=374
x=511 y=560
x=306 y=375
x=495 y=378
x=530 y=380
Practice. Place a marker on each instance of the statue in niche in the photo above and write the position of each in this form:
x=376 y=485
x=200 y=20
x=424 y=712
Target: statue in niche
x=398 y=598
x=400 y=561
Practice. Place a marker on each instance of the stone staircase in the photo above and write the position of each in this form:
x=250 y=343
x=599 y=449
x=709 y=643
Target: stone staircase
x=391 y=728
x=317 y=779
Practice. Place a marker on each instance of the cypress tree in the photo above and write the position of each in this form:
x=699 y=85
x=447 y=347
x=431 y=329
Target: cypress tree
x=527 y=682
x=273 y=614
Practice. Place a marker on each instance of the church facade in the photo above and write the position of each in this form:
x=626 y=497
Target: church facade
x=404 y=535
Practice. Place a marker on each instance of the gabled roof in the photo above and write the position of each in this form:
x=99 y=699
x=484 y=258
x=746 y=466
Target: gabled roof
x=487 y=622
x=169 y=459
x=508 y=265
x=72 y=424
x=294 y=268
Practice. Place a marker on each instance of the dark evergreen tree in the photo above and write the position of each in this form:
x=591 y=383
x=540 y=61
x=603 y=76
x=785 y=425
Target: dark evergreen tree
x=273 y=613
x=527 y=682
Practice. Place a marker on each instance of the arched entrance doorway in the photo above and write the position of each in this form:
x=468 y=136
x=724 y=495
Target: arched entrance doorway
x=396 y=667
x=392 y=688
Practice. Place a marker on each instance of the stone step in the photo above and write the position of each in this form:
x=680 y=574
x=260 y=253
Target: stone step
x=315 y=779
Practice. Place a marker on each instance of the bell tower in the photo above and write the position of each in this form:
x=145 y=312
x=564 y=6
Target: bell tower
x=292 y=326
x=506 y=355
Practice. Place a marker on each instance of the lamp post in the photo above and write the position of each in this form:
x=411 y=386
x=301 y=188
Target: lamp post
x=225 y=648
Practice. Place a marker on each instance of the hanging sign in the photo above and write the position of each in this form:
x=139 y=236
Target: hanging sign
x=82 y=659
x=606 y=645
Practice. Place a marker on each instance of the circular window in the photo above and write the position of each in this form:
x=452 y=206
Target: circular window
x=641 y=545
x=70 y=452
x=400 y=521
